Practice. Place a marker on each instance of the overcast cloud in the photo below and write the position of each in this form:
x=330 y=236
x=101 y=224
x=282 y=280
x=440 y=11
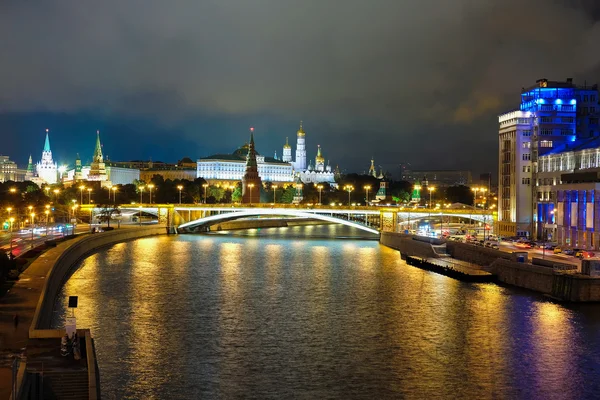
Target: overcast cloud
x=399 y=71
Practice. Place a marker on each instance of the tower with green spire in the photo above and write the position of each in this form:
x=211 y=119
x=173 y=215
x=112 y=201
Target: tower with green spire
x=98 y=168
x=78 y=169
x=251 y=182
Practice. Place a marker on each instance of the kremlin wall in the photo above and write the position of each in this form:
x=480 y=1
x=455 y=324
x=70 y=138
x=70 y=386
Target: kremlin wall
x=217 y=169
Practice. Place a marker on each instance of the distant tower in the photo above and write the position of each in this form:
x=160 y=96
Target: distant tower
x=251 y=194
x=298 y=196
x=30 y=171
x=300 y=164
x=47 y=169
x=319 y=160
x=275 y=155
x=78 y=174
x=287 y=152
x=98 y=168
x=372 y=171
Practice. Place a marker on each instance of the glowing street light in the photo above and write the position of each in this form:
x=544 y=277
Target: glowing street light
x=114 y=190
x=12 y=220
x=367 y=188
x=180 y=188
x=141 y=189
x=32 y=224
x=274 y=189
x=47 y=189
x=56 y=192
x=320 y=187
x=89 y=195
x=47 y=212
x=205 y=185
x=250 y=185
x=349 y=188
x=431 y=190
x=150 y=187
x=13 y=190
x=81 y=189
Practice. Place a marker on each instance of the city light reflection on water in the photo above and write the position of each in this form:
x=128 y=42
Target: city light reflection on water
x=279 y=316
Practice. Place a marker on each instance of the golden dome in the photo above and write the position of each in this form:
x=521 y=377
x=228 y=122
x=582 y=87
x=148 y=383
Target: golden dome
x=301 y=131
x=319 y=159
x=286 y=145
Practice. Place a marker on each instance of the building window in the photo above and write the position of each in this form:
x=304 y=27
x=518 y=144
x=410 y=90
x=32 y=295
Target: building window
x=526 y=133
x=546 y=132
x=585 y=97
x=546 y=143
x=526 y=181
x=526 y=145
x=526 y=156
x=569 y=120
x=566 y=132
x=592 y=110
x=546 y=120
x=585 y=110
x=526 y=168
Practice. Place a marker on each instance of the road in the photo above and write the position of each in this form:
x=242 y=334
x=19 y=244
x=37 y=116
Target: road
x=538 y=253
x=23 y=240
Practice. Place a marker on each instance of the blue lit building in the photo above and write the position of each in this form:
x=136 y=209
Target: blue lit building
x=551 y=116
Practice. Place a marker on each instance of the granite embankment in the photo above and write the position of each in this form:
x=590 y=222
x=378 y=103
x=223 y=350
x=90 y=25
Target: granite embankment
x=255 y=223
x=33 y=295
x=553 y=279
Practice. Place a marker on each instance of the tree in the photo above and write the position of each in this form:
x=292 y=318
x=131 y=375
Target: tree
x=288 y=194
x=236 y=196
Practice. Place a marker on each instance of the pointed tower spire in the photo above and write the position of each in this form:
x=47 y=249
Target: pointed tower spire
x=98 y=149
x=47 y=143
x=30 y=166
x=251 y=182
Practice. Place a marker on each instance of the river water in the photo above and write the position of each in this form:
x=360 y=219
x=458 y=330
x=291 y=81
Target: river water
x=273 y=314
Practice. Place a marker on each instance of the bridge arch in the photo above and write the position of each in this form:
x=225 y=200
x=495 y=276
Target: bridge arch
x=210 y=220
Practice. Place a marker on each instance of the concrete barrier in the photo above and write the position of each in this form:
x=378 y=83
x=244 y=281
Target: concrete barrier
x=475 y=254
x=61 y=261
x=407 y=246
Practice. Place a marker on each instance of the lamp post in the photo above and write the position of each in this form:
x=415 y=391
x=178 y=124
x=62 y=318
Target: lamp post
x=47 y=189
x=349 y=188
x=431 y=189
x=89 y=195
x=475 y=190
x=56 y=191
x=205 y=185
x=179 y=187
x=274 y=197
x=150 y=187
x=250 y=185
x=81 y=188
x=11 y=240
x=141 y=189
x=32 y=222
x=367 y=188
x=114 y=190
x=320 y=187
x=47 y=212
x=74 y=217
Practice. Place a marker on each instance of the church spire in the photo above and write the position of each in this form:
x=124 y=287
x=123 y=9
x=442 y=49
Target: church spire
x=372 y=171
x=251 y=182
x=30 y=165
x=47 y=142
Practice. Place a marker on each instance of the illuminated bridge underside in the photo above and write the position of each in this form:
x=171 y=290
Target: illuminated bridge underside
x=231 y=215
x=405 y=218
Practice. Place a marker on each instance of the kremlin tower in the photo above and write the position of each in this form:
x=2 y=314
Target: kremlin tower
x=78 y=173
x=300 y=164
x=287 y=152
x=319 y=160
x=30 y=172
x=251 y=182
x=372 y=171
x=97 y=168
x=47 y=169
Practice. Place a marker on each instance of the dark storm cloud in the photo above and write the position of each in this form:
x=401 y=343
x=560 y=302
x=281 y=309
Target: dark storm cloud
x=393 y=68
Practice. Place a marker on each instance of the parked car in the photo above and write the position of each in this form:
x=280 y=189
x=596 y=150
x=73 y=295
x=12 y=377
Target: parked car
x=557 y=250
x=569 y=252
x=492 y=245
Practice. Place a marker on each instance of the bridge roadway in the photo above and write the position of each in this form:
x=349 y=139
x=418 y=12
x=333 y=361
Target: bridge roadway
x=187 y=215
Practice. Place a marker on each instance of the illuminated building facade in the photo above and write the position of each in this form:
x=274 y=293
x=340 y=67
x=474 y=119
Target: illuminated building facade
x=231 y=167
x=8 y=170
x=46 y=170
x=551 y=116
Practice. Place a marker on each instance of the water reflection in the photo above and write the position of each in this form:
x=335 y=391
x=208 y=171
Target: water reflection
x=267 y=317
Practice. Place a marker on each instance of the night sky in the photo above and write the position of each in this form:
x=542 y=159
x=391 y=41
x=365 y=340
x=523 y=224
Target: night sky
x=419 y=81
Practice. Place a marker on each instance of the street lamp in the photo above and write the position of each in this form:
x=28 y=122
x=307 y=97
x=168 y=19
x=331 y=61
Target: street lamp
x=89 y=195
x=32 y=222
x=13 y=190
x=141 y=189
x=349 y=188
x=11 y=231
x=250 y=185
x=367 y=188
x=74 y=217
x=274 y=198
x=114 y=190
x=150 y=187
x=47 y=212
x=205 y=185
x=47 y=189
x=56 y=191
x=431 y=190
x=81 y=189
x=180 y=188
x=320 y=187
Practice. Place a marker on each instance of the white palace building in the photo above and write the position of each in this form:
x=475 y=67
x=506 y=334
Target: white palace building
x=231 y=167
